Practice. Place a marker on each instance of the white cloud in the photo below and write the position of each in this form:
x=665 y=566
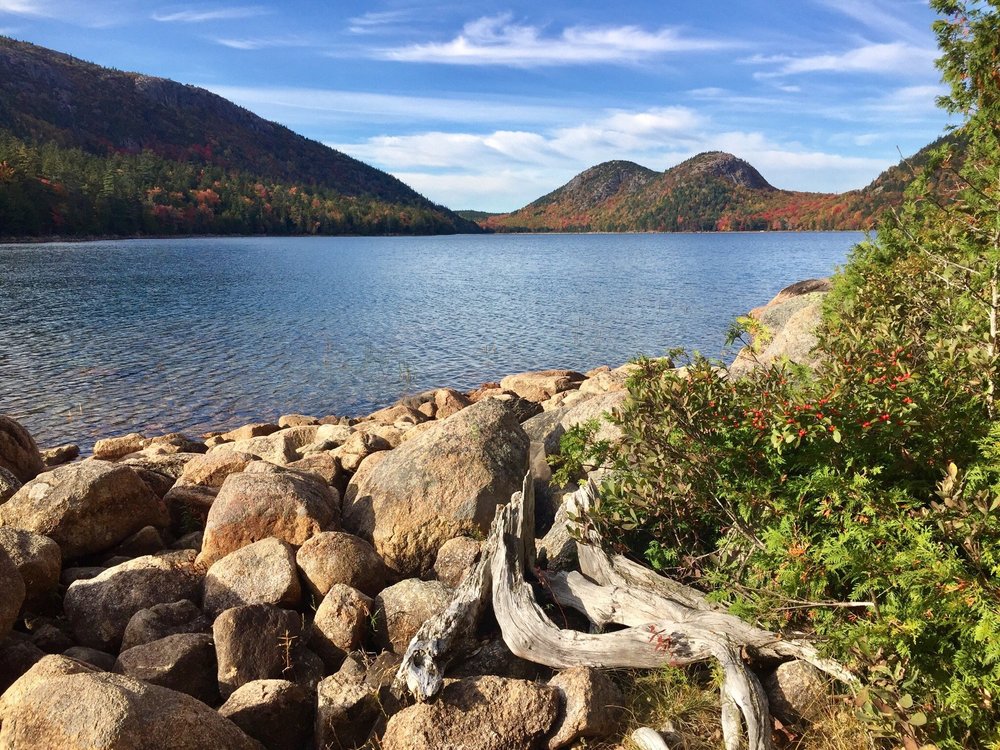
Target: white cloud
x=23 y=7
x=215 y=14
x=496 y=40
x=505 y=169
x=306 y=105
x=263 y=42
x=894 y=58
x=875 y=15
x=372 y=22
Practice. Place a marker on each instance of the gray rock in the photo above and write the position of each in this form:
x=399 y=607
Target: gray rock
x=146 y=541
x=101 y=660
x=593 y=706
x=444 y=483
x=276 y=713
x=401 y=609
x=99 y=609
x=9 y=484
x=259 y=642
x=797 y=691
x=455 y=559
x=346 y=712
x=12 y=586
x=85 y=507
x=18 y=452
x=260 y=573
x=162 y=620
x=37 y=559
x=184 y=662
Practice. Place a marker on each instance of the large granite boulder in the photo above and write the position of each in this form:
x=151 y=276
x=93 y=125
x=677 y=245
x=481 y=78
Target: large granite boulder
x=286 y=505
x=85 y=508
x=100 y=711
x=37 y=558
x=401 y=609
x=162 y=620
x=444 y=483
x=184 y=662
x=259 y=642
x=99 y=608
x=111 y=449
x=333 y=557
x=12 y=588
x=340 y=624
x=18 y=452
x=9 y=484
x=482 y=713
x=211 y=469
x=593 y=706
x=260 y=573
x=276 y=713
x=542 y=385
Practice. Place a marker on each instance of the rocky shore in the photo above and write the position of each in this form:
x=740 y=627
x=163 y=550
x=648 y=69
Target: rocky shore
x=259 y=587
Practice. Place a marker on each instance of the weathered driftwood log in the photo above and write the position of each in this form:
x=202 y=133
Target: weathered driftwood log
x=664 y=622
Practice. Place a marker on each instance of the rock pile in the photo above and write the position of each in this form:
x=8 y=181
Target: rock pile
x=256 y=589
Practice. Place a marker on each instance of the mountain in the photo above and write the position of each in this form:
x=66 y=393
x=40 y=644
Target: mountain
x=151 y=148
x=713 y=191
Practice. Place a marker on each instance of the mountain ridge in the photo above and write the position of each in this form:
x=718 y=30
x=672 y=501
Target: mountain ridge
x=711 y=191
x=49 y=99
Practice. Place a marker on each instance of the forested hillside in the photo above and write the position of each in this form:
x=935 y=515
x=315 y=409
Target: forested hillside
x=85 y=150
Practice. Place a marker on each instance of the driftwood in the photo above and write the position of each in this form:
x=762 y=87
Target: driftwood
x=663 y=622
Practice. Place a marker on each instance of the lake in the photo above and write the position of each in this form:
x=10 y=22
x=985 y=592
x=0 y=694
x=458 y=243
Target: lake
x=103 y=338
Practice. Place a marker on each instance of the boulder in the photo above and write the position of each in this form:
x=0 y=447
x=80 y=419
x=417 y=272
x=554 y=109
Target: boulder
x=80 y=573
x=9 y=484
x=102 y=711
x=157 y=460
x=276 y=713
x=593 y=706
x=111 y=449
x=17 y=656
x=100 y=608
x=296 y=420
x=495 y=658
x=162 y=620
x=401 y=609
x=444 y=483
x=50 y=638
x=175 y=442
x=542 y=385
x=396 y=414
x=146 y=541
x=260 y=573
x=359 y=446
x=12 y=586
x=456 y=558
x=346 y=712
x=259 y=642
x=37 y=559
x=100 y=660
x=184 y=662
x=59 y=455
x=18 y=452
x=188 y=504
x=211 y=469
x=333 y=557
x=39 y=672
x=279 y=447
x=284 y=505
x=548 y=427
x=482 y=713
x=448 y=401
x=323 y=465
x=247 y=431
x=797 y=692
x=85 y=507
x=341 y=624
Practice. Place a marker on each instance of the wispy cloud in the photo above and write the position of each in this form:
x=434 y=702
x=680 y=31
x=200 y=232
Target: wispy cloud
x=215 y=14
x=370 y=23
x=874 y=14
x=496 y=40
x=24 y=8
x=893 y=58
x=309 y=105
x=253 y=43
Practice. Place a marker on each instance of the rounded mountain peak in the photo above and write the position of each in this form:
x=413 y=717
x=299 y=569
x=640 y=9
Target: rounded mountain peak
x=723 y=166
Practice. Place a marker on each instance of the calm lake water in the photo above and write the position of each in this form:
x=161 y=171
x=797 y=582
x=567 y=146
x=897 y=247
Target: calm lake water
x=103 y=338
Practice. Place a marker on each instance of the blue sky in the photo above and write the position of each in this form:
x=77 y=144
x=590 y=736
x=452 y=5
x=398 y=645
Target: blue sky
x=491 y=104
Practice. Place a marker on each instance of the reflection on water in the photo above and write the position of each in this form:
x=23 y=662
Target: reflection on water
x=101 y=338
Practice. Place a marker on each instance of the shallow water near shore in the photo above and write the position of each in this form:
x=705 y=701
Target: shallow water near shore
x=102 y=338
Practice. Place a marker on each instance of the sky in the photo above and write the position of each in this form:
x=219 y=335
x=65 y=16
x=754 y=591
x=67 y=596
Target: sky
x=489 y=105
